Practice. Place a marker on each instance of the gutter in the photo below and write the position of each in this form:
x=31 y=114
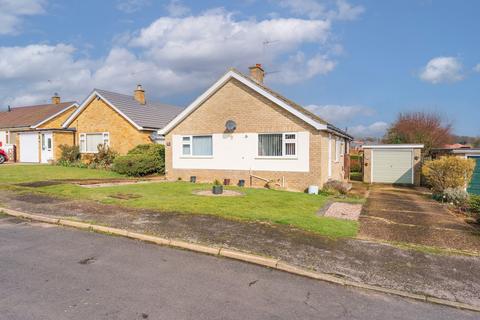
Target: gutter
x=333 y=129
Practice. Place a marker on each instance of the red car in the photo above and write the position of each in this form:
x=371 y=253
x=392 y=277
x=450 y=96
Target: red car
x=3 y=156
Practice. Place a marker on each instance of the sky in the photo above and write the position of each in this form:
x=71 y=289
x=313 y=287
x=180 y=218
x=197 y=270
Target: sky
x=356 y=63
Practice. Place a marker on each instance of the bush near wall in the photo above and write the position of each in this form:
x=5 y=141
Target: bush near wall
x=448 y=172
x=69 y=154
x=142 y=160
x=474 y=206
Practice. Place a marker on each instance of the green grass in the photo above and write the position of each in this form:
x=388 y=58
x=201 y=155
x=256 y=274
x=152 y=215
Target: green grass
x=356 y=176
x=29 y=173
x=273 y=206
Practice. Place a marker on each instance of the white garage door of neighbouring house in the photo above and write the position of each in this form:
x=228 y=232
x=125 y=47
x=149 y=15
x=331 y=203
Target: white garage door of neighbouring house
x=392 y=166
x=29 y=147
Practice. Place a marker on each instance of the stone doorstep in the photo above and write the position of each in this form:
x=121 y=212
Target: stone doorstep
x=242 y=256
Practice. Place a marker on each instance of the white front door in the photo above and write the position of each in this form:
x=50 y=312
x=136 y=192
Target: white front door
x=47 y=147
x=29 y=147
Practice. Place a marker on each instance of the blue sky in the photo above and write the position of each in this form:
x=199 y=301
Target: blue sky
x=357 y=63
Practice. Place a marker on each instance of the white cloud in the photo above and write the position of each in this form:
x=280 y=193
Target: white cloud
x=339 y=113
x=31 y=73
x=332 y=10
x=346 y=11
x=477 y=68
x=12 y=13
x=442 y=70
x=376 y=129
x=172 y=55
x=215 y=40
x=176 y=8
x=131 y=6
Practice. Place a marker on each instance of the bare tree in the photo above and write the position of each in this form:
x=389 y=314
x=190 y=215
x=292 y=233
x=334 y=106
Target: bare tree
x=420 y=127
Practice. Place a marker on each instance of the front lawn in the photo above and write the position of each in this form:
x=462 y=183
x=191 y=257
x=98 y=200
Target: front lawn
x=281 y=207
x=30 y=173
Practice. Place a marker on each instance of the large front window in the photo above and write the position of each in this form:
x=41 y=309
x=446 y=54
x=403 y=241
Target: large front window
x=198 y=146
x=277 y=145
x=89 y=142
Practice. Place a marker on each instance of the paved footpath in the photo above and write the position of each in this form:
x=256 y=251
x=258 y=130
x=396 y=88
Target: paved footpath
x=49 y=272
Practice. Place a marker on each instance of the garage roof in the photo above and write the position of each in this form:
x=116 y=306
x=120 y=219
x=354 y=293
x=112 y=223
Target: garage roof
x=20 y=117
x=393 y=146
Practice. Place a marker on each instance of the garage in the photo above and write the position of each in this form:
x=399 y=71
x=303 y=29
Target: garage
x=395 y=164
x=474 y=186
x=29 y=147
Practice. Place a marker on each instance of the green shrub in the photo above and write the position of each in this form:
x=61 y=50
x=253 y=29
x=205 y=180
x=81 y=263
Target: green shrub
x=336 y=187
x=474 y=206
x=69 y=154
x=448 y=172
x=456 y=196
x=103 y=159
x=141 y=161
x=474 y=203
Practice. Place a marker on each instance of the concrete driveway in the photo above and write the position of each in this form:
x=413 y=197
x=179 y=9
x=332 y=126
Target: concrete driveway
x=403 y=214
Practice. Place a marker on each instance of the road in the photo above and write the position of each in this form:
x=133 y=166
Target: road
x=50 y=272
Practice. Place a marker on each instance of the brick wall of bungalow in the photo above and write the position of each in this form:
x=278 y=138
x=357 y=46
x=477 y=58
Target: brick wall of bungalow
x=56 y=123
x=99 y=117
x=253 y=113
x=61 y=138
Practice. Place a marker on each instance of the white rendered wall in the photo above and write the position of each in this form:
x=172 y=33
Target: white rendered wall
x=239 y=151
x=3 y=138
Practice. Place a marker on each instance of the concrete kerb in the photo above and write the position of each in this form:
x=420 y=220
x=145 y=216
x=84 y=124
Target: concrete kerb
x=242 y=256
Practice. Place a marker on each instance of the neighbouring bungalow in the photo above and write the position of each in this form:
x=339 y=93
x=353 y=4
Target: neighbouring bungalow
x=239 y=129
x=34 y=133
x=118 y=121
x=466 y=152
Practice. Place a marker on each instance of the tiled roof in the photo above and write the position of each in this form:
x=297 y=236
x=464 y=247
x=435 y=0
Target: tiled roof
x=152 y=115
x=31 y=115
x=294 y=105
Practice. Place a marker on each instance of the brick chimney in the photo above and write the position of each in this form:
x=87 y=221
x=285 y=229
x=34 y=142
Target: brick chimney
x=55 y=98
x=257 y=73
x=139 y=94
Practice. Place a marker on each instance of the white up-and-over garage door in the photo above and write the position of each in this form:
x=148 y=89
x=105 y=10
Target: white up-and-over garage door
x=29 y=147
x=392 y=166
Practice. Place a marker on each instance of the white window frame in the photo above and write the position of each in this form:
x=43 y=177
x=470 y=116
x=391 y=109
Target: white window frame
x=190 y=144
x=338 y=149
x=83 y=137
x=285 y=141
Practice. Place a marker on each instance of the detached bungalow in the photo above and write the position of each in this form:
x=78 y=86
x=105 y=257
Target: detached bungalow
x=117 y=120
x=239 y=129
x=36 y=131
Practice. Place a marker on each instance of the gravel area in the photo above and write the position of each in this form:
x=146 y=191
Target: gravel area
x=343 y=210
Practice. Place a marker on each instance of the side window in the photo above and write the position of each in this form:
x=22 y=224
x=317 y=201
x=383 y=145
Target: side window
x=338 y=146
x=83 y=142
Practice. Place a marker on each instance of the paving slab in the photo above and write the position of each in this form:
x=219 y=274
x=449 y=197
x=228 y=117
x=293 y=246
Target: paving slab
x=402 y=214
